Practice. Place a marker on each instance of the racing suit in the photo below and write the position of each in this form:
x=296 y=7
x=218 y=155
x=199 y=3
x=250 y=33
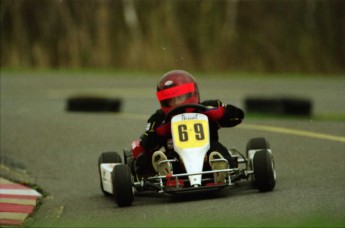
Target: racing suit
x=152 y=141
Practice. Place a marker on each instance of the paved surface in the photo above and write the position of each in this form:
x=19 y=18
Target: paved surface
x=60 y=151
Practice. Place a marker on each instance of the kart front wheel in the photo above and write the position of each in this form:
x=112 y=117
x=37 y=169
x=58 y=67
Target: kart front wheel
x=257 y=143
x=107 y=157
x=264 y=170
x=122 y=185
x=254 y=145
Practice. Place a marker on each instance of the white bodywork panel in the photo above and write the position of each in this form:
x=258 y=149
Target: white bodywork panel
x=106 y=170
x=192 y=150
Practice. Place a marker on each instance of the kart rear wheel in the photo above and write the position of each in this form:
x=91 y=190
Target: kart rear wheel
x=128 y=159
x=122 y=185
x=264 y=170
x=256 y=144
x=107 y=157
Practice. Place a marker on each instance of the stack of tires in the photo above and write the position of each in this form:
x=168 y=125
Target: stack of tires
x=290 y=106
x=93 y=104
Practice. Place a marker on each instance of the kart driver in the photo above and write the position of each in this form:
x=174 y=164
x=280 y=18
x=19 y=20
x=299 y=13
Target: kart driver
x=175 y=88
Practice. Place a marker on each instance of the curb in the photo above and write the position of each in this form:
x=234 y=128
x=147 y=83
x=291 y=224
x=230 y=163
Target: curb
x=17 y=202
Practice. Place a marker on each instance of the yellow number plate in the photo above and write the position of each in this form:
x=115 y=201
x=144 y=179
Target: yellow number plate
x=190 y=133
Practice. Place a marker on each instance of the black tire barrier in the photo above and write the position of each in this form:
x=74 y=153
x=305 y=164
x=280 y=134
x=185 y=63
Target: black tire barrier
x=279 y=106
x=93 y=104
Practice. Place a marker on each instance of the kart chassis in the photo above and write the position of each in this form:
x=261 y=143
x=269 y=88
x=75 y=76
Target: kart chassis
x=160 y=182
x=120 y=180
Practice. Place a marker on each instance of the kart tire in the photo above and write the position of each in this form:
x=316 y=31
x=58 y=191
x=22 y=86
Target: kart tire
x=264 y=171
x=127 y=156
x=107 y=157
x=93 y=104
x=128 y=160
x=255 y=144
x=289 y=106
x=110 y=157
x=122 y=185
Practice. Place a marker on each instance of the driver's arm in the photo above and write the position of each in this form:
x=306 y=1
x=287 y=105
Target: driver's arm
x=232 y=116
x=150 y=140
x=225 y=114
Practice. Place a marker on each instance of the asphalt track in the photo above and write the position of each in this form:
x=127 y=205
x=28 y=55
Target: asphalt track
x=60 y=149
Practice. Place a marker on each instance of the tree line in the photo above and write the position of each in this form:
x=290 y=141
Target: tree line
x=208 y=35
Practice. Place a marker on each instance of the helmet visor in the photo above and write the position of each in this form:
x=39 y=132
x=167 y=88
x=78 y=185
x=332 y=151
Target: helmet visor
x=175 y=91
x=175 y=101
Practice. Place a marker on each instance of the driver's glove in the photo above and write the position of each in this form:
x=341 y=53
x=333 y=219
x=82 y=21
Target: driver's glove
x=215 y=113
x=164 y=129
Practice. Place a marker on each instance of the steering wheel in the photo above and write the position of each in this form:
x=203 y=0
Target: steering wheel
x=182 y=108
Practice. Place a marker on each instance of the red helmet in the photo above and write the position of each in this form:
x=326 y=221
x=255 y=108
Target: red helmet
x=175 y=88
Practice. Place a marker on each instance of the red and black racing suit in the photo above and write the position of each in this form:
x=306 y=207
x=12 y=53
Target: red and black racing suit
x=151 y=141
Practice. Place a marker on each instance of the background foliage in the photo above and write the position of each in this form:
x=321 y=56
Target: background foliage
x=236 y=35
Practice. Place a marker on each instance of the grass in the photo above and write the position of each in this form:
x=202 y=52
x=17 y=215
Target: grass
x=148 y=73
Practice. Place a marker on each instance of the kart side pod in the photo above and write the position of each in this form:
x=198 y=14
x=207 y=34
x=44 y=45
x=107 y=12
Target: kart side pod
x=106 y=172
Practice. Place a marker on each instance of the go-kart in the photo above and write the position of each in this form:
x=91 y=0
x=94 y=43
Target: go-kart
x=191 y=142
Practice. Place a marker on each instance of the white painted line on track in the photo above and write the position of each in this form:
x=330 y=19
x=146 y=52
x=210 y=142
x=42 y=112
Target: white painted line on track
x=258 y=127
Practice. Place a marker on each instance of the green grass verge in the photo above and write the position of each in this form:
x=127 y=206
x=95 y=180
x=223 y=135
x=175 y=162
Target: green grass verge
x=114 y=72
